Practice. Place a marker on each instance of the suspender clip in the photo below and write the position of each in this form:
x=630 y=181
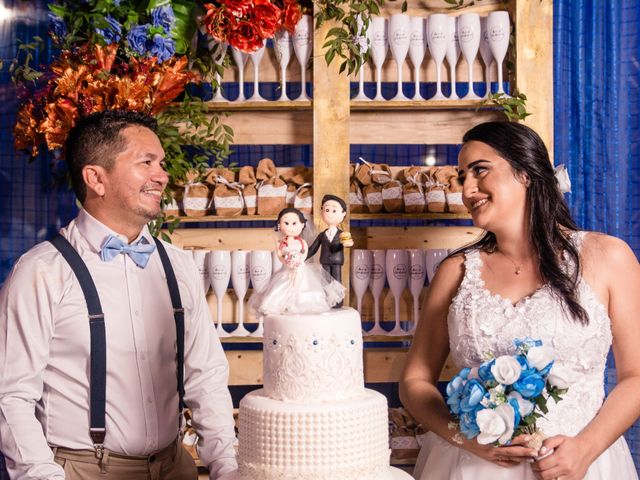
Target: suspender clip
x=178 y=310
x=97 y=436
x=98 y=316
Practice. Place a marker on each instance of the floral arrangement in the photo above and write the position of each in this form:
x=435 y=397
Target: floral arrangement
x=504 y=397
x=246 y=24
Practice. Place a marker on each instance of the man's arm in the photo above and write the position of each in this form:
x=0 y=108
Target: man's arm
x=313 y=248
x=26 y=327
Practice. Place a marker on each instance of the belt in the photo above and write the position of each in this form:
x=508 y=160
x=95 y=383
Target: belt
x=113 y=458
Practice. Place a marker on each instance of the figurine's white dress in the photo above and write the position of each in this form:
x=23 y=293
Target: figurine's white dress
x=299 y=287
x=480 y=322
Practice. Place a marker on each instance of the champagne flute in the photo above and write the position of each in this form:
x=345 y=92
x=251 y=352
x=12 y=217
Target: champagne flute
x=376 y=284
x=437 y=36
x=363 y=46
x=260 y=273
x=469 y=37
x=240 y=58
x=453 y=53
x=498 y=29
x=283 y=48
x=200 y=257
x=378 y=41
x=417 y=50
x=397 y=272
x=275 y=262
x=218 y=52
x=361 y=261
x=416 y=282
x=399 y=39
x=433 y=257
x=256 y=58
x=240 y=283
x=485 y=53
x=302 y=46
x=219 y=275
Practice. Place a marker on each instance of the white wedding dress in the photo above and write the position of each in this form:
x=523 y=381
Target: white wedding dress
x=480 y=322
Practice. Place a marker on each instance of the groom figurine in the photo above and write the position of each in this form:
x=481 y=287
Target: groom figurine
x=332 y=241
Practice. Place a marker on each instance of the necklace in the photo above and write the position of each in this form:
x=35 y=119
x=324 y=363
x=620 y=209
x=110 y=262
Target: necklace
x=518 y=268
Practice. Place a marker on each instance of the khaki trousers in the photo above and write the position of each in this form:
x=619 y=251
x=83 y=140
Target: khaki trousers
x=171 y=463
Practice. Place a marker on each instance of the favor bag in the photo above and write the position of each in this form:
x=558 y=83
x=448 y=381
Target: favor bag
x=454 y=193
x=373 y=197
x=412 y=191
x=435 y=196
x=247 y=178
x=356 y=199
x=271 y=188
x=404 y=445
x=172 y=207
x=227 y=198
x=303 y=198
x=392 y=196
x=196 y=200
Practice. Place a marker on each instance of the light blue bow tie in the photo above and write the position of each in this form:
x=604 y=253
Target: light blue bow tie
x=139 y=252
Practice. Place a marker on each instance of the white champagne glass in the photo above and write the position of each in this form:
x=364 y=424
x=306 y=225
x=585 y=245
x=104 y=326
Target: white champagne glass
x=397 y=275
x=240 y=283
x=376 y=284
x=399 y=39
x=219 y=275
x=453 y=53
x=499 y=29
x=283 y=48
x=433 y=257
x=218 y=52
x=361 y=261
x=302 y=46
x=362 y=43
x=200 y=257
x=275 y=262
x=240 y=59
x=256 y=58
x=417 y=274
x=469 y=37
x=485 y=53
x=437 y=38
x=417 y=50
x=261 y=267
x=378 y=43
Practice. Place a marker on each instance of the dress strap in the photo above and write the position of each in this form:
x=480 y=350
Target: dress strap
x=472 y=263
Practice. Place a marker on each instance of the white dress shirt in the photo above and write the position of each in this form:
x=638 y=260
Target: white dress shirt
x=331 y=232
x=44 y=357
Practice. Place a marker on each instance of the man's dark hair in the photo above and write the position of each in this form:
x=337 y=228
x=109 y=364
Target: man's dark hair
x=97 y=140
x=335 y=198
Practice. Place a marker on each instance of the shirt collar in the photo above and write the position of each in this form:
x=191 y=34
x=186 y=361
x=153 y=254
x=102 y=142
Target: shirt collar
x=95 y=232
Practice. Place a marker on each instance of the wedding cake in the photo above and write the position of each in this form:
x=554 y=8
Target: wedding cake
x=314 y=419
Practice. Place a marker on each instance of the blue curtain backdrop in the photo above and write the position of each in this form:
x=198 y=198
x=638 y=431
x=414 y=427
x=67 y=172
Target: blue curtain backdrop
x=597 y=133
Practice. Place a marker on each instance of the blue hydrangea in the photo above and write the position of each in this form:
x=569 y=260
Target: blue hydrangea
x=162 y=47
x=530 y=385
x=468 y=424
x=111 y=34
x=484 y=372
x=57 y=25
x=472 y=394
x=163 y=17
x=137 y=38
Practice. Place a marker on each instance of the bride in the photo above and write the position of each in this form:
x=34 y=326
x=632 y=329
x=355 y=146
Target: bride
x=532 y=274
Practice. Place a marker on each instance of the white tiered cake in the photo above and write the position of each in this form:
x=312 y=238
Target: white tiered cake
x=314 y=419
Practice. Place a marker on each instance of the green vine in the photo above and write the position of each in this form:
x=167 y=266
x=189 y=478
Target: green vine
x=514 y=107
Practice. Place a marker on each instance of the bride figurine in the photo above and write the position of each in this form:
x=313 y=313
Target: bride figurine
x=299 y=287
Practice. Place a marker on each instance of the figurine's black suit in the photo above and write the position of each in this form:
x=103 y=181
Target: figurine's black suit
x=331 y=253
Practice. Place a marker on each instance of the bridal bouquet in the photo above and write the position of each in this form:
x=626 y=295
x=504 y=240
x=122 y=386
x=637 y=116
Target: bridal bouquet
x=505 y=396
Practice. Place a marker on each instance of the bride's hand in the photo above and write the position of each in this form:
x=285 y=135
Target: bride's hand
x=506 y=456
x=569 y=460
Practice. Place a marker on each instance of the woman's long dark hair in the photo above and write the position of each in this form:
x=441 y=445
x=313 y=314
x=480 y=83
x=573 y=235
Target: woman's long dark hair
x=549 y=216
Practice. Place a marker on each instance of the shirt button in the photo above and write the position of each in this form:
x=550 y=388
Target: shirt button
x=137 y=313
x=149 y=401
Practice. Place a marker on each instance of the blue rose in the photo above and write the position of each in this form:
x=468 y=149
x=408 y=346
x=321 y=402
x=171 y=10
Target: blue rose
x=530 y=385
x=163 y=17
x=111 y=34
x=468 y=424
x=472 y=394
x=516 y=409
x=137 y=38
x=453 y=401
x=162 y=47
x=57 y=25
x=457 y=382
x=484 y=372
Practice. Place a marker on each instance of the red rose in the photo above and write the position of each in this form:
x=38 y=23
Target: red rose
x=218 y=22
x=267 y=18
x=292 y=15
x=238 y=8
x=245 y=37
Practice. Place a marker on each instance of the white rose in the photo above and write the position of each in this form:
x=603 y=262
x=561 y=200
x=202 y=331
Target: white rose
x=506 y=370
x=560 y=376
x=524 y=406
x=540 y=357
x=495 y=424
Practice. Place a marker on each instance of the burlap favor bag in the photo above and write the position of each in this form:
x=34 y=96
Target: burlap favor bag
x=213 y=174
x=362 y=172
x=227 y=198
x=404 y=445
x=356 y=199
x=435 y=195
x=197 y=196
x=412 y=191
x=272 y=189
x=453 y=192
x=392 y=199
x=247 y=178
x=303 y=198
x=373 y=197
x=367 y=173
x=172 y=207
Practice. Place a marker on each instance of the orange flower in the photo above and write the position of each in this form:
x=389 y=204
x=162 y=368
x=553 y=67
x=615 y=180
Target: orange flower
x=105 y=55
x=61 y=116
x=25 y=133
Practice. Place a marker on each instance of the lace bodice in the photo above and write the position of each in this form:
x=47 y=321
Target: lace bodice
x=481 y=322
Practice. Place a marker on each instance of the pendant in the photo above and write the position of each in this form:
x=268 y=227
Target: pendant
x=518 y=270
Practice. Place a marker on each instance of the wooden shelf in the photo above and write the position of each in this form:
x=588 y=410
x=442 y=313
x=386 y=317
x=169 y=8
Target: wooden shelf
x=291 y=105
x=216 y=218
x=377 y=105
x=410 y=216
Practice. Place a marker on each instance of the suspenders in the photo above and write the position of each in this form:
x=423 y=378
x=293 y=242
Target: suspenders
x=98 y=360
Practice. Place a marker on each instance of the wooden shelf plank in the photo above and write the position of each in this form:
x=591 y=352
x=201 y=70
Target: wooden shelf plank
x=216 y=218
x=410 y=216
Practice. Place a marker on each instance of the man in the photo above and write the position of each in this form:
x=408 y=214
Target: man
x=330 y=243
x=52 y=362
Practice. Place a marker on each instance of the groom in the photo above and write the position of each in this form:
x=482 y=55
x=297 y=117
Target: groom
x=333 y=240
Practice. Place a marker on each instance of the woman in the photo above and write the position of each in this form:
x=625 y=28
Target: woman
x=532 y=274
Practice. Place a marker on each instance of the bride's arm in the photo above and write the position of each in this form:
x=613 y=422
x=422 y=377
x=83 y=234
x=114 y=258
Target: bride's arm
x=611 y=268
